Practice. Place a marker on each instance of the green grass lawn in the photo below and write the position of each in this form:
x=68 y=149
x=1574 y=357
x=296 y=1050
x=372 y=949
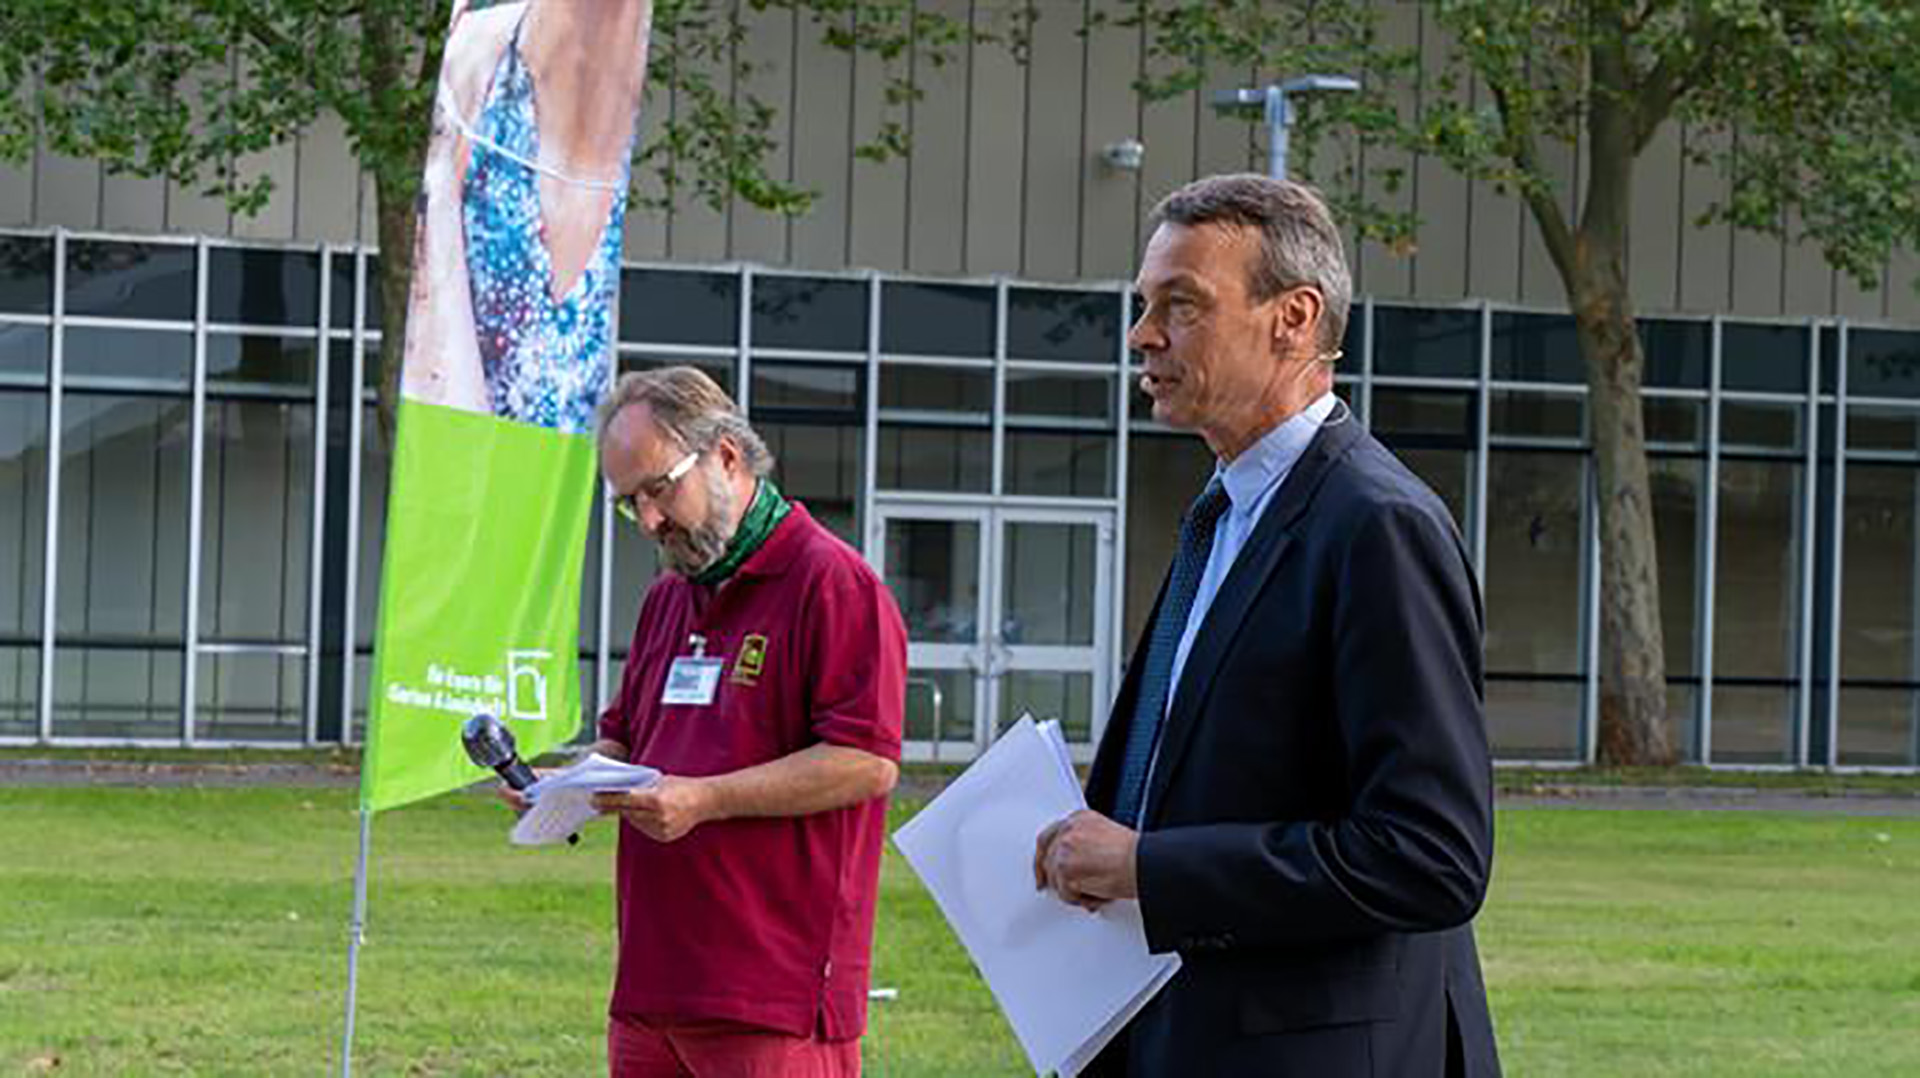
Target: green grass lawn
x=204 y=932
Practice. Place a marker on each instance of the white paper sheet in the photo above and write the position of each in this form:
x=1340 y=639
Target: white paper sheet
x=562 y=801
x=1068 y=980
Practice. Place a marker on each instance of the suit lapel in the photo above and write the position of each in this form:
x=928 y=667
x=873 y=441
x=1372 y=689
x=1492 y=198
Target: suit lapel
x=1272 y=537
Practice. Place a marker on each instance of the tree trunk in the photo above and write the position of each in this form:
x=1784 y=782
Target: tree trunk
x=395 y=216
x=1633 y=727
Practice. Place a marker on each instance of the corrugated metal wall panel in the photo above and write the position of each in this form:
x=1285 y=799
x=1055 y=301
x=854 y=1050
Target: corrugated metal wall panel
x=822 y=149
x=937 y=168
x=1110 y=197
x=1705 y=252
x=1653 y=242
x=1377 y=270
x=132 y=204
x=877 y=214
x=996 y=148
x=1055 y=112
x=756 y=234
x=66 y=191
x=325 y=190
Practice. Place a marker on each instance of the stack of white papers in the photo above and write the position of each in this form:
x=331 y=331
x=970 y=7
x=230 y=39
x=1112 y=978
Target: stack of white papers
x=1068 y=980
x=560 y=802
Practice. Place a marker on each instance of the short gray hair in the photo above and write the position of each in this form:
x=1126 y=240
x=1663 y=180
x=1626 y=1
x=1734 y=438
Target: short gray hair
x=689 y=407
x=1299 y=242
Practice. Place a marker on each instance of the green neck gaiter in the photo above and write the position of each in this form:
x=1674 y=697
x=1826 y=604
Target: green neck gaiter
x=768 y=509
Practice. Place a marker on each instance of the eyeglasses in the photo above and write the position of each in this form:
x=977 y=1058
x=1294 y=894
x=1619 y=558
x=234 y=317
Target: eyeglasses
x=652 y=490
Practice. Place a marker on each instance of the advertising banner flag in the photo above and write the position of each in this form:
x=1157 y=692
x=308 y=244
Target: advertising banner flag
x=509 y=349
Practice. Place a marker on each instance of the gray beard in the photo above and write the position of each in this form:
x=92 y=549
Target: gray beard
x=689 y=551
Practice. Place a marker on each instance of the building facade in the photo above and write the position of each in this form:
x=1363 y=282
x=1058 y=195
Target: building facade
x=192 y=474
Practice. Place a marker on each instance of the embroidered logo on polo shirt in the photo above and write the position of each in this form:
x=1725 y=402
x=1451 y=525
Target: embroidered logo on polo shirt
x=752 y=660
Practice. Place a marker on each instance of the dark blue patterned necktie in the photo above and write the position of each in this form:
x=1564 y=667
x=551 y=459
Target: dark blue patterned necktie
x=1169 y=625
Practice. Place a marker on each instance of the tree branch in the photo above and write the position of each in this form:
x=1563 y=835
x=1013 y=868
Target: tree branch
x=1536 y=189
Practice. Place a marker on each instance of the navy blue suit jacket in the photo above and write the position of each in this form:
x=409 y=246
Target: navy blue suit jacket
x=1319 y=824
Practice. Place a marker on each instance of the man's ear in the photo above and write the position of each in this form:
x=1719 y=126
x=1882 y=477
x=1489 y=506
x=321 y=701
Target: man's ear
x=1297 y=313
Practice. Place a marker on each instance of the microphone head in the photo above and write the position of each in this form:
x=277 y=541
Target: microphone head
x=488 y=741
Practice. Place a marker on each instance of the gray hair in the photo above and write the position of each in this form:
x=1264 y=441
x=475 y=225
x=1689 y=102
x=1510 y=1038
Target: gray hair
x=1299 y=242
x=689 y=407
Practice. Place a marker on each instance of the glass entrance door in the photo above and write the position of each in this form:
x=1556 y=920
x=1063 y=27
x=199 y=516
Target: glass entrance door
x=1008 y=611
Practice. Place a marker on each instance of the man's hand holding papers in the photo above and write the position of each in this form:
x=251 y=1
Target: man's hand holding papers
x=1086 y=859
x=563 y=800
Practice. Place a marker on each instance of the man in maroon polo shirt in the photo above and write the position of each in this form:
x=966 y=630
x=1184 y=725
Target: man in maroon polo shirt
x=766 y=680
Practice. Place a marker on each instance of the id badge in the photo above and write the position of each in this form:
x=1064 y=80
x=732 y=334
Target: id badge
x=691 y=679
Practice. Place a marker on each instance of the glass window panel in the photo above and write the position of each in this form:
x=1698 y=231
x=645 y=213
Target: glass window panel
x=123 y=517
x=259 y=287
x=1037 y=393
x=1882 y=428
x=1405 y=416
x=1879 y=727
x=23 y=537
x=1677 y=353
x=681 y=307
x=933 y=568
x=1165 y=472
x=1047 y=573
x=720 y=369
x=1064 y=463
x=935 y=458
x=1672 y=422
x=1752 y=724
x=1534 y=720
x=116 y=692
x=636 y=563
x=253 y=360
x=945 y=715
x=1536 y=348
x=1449 y=472
x=340 y=298
x=1537 y=415
x=820 y=465
x=256 y=525
x=251 y=697
x=26 y=274
x=1883 y=363
x=165 y=358
x=816 y=386
x=936 y=389
x=1678 y=492
x=1756 y=586
x=1879 y=603
x=1534 y=561
x=1424 y=341
x=113 y=279
x=1353 y=341
x=925 y=319
x=1049 y=694
x=23 y=350
x=1077 y=327
x=374 y=302
x=1759 y=425
x=1760 y=357
x=809 y=312
x=19 y=691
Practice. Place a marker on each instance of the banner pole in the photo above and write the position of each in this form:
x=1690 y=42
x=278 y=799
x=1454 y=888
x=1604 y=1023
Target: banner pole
x=356 y=934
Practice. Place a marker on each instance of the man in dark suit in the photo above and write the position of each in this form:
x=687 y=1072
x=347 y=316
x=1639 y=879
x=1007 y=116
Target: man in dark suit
x=1295 y=781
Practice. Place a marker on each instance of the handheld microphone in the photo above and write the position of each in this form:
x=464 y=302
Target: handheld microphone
x=490 y=744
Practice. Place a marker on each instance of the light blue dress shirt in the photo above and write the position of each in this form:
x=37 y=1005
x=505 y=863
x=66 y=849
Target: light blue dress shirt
x=1250 y=481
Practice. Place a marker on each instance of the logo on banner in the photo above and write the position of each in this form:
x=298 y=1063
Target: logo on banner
x=527 y=685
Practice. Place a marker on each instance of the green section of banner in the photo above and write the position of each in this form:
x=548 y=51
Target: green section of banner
x=479 y=598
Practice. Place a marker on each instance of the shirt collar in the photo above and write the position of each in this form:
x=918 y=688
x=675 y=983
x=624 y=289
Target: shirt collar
x=1267 y=461
x=781 y=547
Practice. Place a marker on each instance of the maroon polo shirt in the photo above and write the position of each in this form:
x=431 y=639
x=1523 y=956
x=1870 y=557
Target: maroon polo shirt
x=764 y=921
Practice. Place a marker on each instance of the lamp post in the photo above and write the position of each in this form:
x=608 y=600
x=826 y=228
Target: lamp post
x=1271 y=99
